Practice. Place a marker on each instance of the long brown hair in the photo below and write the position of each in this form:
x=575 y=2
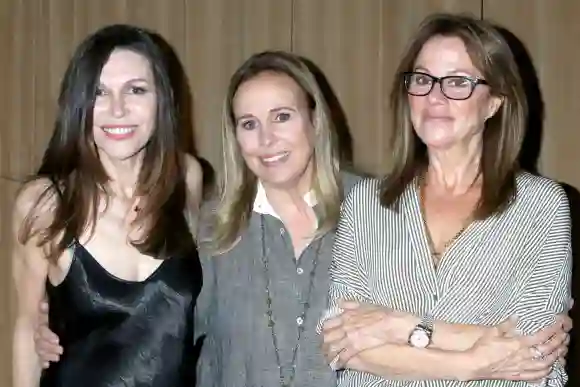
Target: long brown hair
x=238 y=184
x=72 y=164
x=503 y=133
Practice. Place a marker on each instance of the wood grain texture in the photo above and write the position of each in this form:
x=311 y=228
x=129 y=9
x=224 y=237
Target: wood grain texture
x=221 y=34
x=342 y=38
x=7 y=105
x=357 y=44
x=551 y=32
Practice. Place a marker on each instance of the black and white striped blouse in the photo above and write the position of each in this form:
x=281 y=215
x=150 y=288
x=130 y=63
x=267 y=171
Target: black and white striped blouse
x=517 y=262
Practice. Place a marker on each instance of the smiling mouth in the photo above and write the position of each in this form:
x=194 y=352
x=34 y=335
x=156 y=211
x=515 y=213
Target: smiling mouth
x=275 y=159
x=119 y=130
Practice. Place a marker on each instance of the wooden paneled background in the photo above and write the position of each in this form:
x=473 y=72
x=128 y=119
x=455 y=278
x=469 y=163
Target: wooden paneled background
x=356 y=43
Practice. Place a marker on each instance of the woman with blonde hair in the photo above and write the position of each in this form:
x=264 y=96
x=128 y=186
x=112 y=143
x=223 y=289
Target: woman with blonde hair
x=457 y=236
x=272 y=231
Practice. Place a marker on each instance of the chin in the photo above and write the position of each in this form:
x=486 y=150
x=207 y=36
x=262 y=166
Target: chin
x=279 y=181
x=121 y=154
x=443 y=139
x=441 y=144
x=279 y=178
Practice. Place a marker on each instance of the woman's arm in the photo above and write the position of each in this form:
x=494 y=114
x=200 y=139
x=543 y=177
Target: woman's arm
x=348 y=281
x=206 y=366
x=30 y=271
x=548 y=292
x=206 y=301
x=546 y=295
x=194 y=186
x=394 y=327
x=498 y=355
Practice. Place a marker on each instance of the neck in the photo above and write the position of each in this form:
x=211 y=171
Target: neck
x=289 y=198
x=123 y=175
x=454 y=170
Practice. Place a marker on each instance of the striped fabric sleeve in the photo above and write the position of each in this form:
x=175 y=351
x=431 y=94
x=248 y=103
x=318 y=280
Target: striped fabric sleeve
x=548 y=291
x=347 y=279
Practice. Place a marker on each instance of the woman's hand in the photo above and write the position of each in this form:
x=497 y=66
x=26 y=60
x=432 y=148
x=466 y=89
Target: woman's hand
x=567 y=325
x=502 y=354
x=363 y=326
x=45 y=341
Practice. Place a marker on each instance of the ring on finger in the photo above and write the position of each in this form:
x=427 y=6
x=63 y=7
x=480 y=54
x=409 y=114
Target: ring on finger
x=538 y=354
x=334 y=362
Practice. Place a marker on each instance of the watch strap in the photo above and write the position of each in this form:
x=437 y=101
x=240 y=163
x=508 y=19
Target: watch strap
x=427 y=322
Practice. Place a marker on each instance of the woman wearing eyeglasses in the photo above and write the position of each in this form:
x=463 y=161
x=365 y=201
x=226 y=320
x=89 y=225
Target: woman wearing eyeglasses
x=456 y=233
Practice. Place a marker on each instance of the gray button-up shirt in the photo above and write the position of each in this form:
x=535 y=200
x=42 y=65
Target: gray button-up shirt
x=238 y=349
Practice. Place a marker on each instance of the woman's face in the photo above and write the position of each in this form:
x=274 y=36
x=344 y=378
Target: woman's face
x=441 y=122
x=274 y=130
x=125 y=106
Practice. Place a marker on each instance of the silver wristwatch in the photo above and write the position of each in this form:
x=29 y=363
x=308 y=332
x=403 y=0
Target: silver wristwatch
x=420 y=337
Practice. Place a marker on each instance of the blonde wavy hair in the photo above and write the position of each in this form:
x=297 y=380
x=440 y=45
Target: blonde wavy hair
x=237 y=184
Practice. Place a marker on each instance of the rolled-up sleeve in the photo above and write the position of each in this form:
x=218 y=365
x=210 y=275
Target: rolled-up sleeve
x=548 y=291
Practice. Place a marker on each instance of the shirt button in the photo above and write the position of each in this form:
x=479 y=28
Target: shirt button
x=282 y=231
x=299 y=270
x=299 y=321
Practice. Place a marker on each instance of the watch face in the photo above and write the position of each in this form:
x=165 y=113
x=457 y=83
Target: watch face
x=419 y=338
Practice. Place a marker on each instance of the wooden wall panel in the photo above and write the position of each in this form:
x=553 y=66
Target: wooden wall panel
x=221 y=34
x=357 y=45
x=550 y=31
x=342 y=37
x=267 y=24
x=7 y=22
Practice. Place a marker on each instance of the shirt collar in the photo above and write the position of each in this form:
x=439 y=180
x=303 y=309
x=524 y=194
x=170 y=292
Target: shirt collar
x=263 y=206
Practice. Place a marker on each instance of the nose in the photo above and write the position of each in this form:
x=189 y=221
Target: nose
x=117 y=106
x=436 y=94
x=266 y=136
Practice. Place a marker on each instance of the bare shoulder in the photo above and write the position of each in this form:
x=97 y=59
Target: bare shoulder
x=193 y=174
x=194 y=186
x=36 y=198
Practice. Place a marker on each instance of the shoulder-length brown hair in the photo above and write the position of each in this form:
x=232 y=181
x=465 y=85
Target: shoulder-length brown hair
x=504 y=132
x=72 y=164
x=238 y=184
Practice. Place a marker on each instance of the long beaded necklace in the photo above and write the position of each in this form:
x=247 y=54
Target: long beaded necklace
x=269 y=312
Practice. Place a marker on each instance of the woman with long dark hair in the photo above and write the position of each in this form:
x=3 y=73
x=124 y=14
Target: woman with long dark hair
x=105 y=227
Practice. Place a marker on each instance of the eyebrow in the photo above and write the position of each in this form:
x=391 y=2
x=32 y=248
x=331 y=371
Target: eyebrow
x=132 y=80
x=453 y=71
x=282 y=108
x=138 y=80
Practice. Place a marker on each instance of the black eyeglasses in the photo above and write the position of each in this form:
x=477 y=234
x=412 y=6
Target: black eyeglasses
x=456 y=87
